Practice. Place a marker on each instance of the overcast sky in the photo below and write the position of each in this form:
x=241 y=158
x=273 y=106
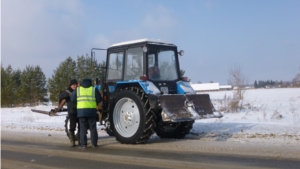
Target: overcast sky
x=262 y=37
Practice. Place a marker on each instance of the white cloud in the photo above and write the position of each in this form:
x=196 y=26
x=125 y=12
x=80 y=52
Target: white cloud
x=158 y=20
x=44 y=33
x=35 y=32
x=157 y=23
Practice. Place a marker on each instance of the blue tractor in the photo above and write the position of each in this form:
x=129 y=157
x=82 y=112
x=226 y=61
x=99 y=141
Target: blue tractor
x=144 y=93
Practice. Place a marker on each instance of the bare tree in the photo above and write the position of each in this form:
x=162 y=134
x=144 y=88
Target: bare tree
x=238 y=80
x=296 y=80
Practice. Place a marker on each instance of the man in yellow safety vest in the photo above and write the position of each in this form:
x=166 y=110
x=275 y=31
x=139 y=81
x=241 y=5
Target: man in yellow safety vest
x=87 y=100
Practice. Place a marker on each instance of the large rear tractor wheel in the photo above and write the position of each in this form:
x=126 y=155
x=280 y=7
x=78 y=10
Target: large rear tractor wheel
x=132 y=120
x=67 y=127
x=174 y=130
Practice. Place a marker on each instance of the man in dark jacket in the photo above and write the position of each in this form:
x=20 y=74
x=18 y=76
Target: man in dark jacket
x=65 y=96
x=87 y=99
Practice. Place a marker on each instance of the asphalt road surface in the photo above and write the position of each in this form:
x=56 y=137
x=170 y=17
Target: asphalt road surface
x=45 y=151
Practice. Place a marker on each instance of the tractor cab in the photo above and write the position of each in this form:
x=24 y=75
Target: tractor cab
x=144 y=59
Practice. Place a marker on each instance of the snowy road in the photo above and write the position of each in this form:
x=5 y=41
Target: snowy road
x=45 y=150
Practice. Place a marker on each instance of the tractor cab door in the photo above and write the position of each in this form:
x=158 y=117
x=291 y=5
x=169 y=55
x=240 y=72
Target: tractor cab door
x=134 y=64
x=114 y=73
x=163 y=68
x=115 y=66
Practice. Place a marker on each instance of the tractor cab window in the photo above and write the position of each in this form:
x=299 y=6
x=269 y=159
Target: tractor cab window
x=133 y=64
x=162 y=65
x=115 y=69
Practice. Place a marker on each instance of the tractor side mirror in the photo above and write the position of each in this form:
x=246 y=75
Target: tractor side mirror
x=181 y=52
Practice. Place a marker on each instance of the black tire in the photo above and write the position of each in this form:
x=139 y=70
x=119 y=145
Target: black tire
x=174 y=130
x=131 y=118
x=67 y=126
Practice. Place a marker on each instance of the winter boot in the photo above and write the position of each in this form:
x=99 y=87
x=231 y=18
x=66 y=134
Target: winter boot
x=72 y=139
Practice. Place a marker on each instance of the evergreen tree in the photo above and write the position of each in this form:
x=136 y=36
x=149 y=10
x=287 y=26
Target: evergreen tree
x=8 y=86
x=61 y=77
x=255 y=85
x=70 y=69
x=5 y=85
x=17 y=79
x=24 y=92
x=40 y=84
x=86 y=69
x=32 y=88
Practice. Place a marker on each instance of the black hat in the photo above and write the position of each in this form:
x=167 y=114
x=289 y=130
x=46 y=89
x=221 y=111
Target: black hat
x=73 y=81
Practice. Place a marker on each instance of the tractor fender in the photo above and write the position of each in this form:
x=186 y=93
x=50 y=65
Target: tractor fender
x=148 y=87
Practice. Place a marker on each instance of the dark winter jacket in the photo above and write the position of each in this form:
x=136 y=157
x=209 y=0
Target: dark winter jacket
x=88 y=112
x=66 y=95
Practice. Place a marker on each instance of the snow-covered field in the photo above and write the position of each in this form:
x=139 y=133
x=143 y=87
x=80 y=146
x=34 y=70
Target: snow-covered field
x=270 y=116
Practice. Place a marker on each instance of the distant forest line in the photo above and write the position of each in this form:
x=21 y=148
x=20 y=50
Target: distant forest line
x=30 y=85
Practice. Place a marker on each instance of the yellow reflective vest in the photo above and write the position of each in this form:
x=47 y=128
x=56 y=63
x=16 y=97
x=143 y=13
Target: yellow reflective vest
x=86 y=98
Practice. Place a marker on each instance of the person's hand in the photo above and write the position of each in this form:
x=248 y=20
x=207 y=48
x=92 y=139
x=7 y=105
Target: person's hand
x=53 y=112
x=98 y=111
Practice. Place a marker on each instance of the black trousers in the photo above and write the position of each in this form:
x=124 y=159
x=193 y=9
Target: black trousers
x=85 y=123
x=73 y=122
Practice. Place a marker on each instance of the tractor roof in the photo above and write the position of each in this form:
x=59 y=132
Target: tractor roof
x=148 y=41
